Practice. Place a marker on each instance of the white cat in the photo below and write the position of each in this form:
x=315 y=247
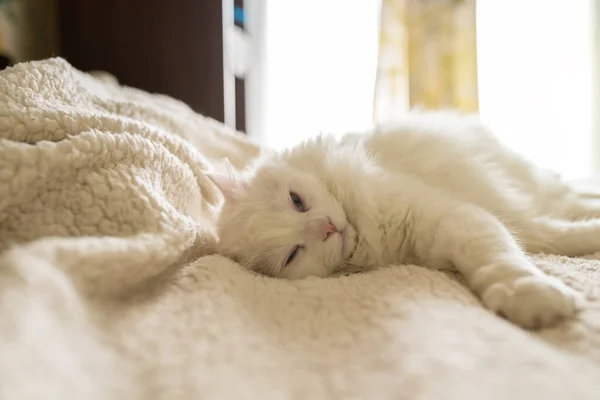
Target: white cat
x=436 y=189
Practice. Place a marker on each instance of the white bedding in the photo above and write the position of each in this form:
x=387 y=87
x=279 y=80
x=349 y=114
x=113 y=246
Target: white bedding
x=109 y=288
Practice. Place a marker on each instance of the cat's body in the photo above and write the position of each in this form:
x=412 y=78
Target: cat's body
x=433 y=189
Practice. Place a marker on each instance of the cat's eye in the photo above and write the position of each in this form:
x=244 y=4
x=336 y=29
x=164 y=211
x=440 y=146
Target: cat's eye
x=292 y=256
x=298 y=203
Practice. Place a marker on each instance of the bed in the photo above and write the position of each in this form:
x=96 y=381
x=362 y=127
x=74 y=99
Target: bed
x=110 y=287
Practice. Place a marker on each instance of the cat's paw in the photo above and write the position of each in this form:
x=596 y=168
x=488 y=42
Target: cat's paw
x=532 y=302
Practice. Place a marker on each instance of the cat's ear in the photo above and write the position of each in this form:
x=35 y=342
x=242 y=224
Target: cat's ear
x=227 y=179
x=227 y=185
x=225 y=167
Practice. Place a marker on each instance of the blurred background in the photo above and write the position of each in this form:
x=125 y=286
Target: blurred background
x=281 y=70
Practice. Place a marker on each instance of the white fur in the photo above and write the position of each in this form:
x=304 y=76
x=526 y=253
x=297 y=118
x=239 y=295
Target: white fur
x=436 y=189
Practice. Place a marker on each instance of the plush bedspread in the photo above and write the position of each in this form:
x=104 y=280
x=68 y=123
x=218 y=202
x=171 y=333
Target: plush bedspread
x=110 y=288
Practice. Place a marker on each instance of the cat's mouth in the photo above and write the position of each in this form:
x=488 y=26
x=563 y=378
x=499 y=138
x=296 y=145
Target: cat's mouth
x=354 y=246
x=350 y=243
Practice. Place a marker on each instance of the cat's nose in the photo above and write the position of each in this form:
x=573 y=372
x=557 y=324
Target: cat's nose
x=327 y=228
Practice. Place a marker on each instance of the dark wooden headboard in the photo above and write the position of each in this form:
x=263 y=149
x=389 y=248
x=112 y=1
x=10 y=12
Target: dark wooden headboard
x=174 y=48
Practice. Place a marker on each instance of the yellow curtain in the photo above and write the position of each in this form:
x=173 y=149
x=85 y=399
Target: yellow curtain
x=427 y=56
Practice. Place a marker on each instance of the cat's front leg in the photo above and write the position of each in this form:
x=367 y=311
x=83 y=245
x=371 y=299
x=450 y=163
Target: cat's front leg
x=483 y=250
x=524 y=295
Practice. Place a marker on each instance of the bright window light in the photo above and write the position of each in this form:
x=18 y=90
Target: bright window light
x=535 y=65
x=535 y=61
x=321 y=59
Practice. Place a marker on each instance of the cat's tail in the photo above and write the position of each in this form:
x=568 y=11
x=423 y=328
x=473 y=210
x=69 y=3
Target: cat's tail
x=563 y=237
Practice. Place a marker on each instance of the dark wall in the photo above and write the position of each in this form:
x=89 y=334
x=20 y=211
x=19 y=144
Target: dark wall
x=174 y=48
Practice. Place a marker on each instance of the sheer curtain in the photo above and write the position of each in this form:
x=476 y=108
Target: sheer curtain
x=427 y=56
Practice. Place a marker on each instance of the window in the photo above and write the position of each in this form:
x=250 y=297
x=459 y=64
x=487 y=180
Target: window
x=535 y=61
x=319 y=61
x=535 y=71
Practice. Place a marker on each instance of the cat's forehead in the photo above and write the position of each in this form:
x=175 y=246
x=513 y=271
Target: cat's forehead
x=276 y=170
x=274 y=183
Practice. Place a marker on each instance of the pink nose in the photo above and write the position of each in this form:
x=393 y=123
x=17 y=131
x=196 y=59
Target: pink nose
x=327 y=228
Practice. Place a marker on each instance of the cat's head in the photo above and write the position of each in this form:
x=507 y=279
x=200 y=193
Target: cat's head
x=280 y=220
